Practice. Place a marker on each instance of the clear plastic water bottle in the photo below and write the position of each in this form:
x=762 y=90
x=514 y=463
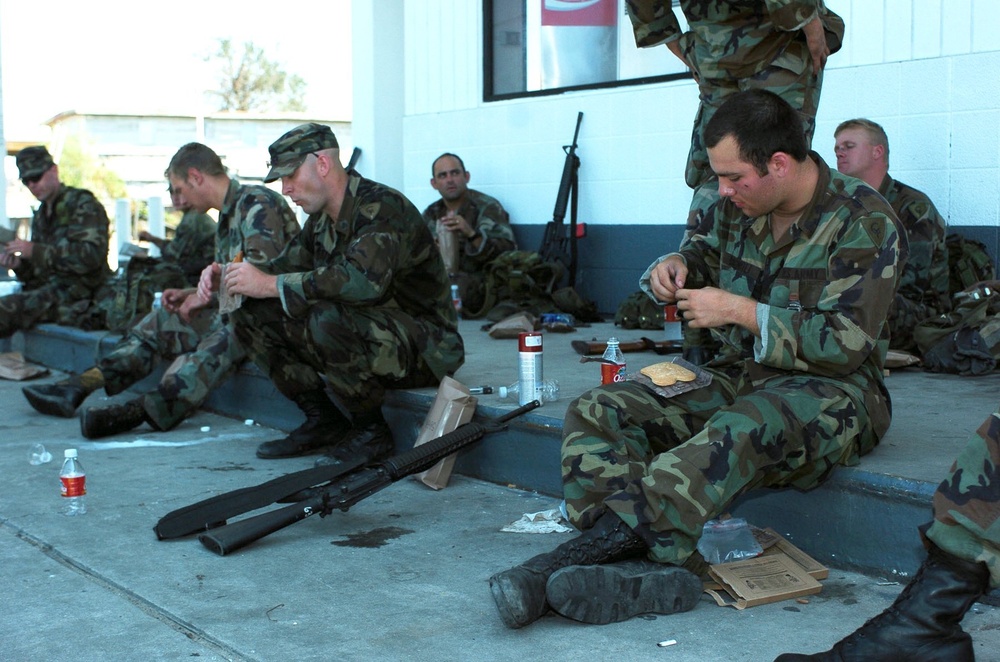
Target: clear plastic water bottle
x=74 y=484
x=615 y=371
x=157 y=300
x=548 y=391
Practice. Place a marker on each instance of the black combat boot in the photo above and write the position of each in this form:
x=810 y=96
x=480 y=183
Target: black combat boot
x=97 y=422
x=63 y=398
x=370 y=440
x=614 y=592
x=324 y=426
x=520 y=592
x=922 y=625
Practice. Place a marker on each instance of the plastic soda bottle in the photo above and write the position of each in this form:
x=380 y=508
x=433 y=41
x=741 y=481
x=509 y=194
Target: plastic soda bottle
x=74 y=484
x=614 y=371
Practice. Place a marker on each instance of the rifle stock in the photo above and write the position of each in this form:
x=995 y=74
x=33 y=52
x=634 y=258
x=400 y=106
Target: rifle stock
x=345 y=491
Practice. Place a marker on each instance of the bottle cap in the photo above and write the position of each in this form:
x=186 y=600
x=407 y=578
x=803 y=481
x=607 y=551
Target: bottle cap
x=69 y=452
x=502 y=391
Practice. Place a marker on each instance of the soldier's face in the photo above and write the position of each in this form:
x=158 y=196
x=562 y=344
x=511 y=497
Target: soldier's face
x=739 y=181
x=189 y=191
x=304 y=186
x=450 y=179
x=855 y=152
x=46 y=186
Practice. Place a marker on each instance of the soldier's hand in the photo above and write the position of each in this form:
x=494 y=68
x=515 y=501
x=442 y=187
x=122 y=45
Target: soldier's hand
x=711 y=307
x=668 y=277
x=20 y=248
x=816 y=41
x=244 y=278
x=8 y=260
x=174 y=298
x=190 y=305
x=209 y=281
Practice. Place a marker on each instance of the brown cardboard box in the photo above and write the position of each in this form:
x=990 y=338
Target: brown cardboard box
x=757 y=581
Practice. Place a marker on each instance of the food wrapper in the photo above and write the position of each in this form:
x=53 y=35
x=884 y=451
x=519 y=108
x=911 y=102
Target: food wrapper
x=229 y=302
x=701 y=378
x=453 y=406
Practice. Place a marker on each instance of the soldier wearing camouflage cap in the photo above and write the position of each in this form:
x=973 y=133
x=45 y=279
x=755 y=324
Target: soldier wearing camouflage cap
x=359 y=301
x=66 y=259
x=963 y=563
x=796 y=273
x=254 y=221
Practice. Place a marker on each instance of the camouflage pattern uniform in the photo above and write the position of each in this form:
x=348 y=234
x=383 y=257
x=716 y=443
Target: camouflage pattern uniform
x=923 y=288
x=253 y=219
x=363 y=299
x=69 y=263
x=193 y=246
x=967 y=502
x=736 y=45
x=783 y=409
x=490 y=220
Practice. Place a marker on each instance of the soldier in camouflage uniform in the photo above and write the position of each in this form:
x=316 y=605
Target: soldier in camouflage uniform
x=862 y=150
x=253 y=220
x=193 y=246
x=734 y=45
x=479 y=224
x=360 y=297
x=65 y=261
x=963 y=562
x=796 y=275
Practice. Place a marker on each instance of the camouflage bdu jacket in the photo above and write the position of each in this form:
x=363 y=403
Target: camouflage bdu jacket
x=823 y=290
x=70 y=238
x=923 y=287
x=733 y=38
x=488 y=218
x=247 y=223
x=378 y=253
x=193 y=245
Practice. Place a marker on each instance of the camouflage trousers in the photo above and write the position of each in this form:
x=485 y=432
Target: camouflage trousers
x=205 y=353
x=24 y=310
x=800 y=87
x=666 y=466
x=967 y=502
x=361 y=352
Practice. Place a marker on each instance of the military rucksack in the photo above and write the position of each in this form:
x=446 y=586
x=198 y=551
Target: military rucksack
x=517 y=280
x=639 y=311
x=129 y=296
x=968 y=262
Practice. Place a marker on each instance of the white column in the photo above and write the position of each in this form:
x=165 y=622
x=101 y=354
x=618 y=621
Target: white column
x=123 y=230
x=157 y=226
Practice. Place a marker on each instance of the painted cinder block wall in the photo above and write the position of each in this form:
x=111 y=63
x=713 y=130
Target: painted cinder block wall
x=924 y=69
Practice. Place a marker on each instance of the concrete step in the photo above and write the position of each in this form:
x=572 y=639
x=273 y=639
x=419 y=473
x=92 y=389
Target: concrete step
x=863 y=518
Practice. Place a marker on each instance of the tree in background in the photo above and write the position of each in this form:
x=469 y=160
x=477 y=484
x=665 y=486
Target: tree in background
x=80 y=168
x=251 y=81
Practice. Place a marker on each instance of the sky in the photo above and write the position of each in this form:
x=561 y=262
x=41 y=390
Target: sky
x=142 y=57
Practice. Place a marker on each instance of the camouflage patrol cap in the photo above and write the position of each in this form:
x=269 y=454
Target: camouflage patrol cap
x=290 y=150
x=33 y=161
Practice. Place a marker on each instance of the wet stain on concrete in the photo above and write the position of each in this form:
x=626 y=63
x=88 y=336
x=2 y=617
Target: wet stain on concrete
x=372 y=539
x=229 y=467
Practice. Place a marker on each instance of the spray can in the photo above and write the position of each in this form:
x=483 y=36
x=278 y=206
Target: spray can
x=529 y=366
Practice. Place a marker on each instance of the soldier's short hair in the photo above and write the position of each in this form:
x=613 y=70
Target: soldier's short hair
x=461 y=163
x=762 y=123
x=876 y=134
x=197 y=156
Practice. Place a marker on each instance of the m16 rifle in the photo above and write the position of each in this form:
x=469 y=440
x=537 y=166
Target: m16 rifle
x=557 y=244
x=316 y=491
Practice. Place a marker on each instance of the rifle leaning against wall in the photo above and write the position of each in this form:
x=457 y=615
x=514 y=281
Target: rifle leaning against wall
x=316 y=491
x=557 y=245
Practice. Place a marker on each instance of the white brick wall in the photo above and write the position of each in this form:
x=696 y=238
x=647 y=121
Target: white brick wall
x=925 y=69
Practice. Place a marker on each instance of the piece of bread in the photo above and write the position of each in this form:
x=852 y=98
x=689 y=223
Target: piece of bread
x=668 y=373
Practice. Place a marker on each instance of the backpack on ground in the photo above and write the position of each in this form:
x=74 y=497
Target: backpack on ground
x=968 y=262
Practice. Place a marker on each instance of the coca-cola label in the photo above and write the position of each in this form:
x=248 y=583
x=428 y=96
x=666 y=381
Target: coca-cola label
x=73 y=486
x=612 y=372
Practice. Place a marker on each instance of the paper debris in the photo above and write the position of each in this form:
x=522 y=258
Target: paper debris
x=546 y=521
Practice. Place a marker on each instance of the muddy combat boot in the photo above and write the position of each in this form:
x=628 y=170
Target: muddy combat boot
x=324 y=426
x=97 y=422
x=369 y=441
x=63 y=398
x=922 y=625
x=601 y=594
x=519 y=593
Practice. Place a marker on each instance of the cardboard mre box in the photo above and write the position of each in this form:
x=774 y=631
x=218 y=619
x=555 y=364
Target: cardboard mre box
x=760 y=580
x=815 y=569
